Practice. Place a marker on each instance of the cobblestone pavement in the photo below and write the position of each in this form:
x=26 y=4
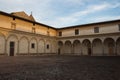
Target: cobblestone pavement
x=59 y=68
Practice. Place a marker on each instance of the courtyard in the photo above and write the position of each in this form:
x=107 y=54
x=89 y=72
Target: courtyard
x=60 y=68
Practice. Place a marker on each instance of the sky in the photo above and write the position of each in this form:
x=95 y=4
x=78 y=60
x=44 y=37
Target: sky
x=65 y=13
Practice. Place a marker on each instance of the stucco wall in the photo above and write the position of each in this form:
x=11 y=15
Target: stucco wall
x=89 y=30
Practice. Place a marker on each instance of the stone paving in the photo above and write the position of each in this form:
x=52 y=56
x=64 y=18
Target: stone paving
x=59 y=68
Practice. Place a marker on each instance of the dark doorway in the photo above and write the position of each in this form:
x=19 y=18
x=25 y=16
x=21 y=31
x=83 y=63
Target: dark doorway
x=12 y=45
x=89 y=51
x=59 y=51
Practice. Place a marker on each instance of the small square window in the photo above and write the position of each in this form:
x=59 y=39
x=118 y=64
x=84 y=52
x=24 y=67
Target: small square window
x=47 y=46
x=76 y=31
x=96 y=29
x=60 y=33
x=33 y=45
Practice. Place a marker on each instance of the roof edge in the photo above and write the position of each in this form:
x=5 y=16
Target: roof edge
x=89 y=24
x=4 y=13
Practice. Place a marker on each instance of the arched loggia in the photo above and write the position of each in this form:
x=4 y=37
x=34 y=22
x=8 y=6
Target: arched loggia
x=60 y=47
x=12 y=45
x=109 y=46
x=118 y=46
x=2 y=43
x=97 y=47
x=68 y=47
x=77 y=47
x=86 y=47
x=23 y=45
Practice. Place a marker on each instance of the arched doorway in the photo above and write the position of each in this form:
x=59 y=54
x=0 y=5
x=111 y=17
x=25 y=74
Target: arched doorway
x=109 y=46
x=12 y=45
x=97 y=47
x=68 y=47
x=60 y=47
x=77 y=47
x=118 y=46
x=86 y=47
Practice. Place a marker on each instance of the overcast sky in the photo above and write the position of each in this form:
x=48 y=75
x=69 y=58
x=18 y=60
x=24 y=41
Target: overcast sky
x=63 y=13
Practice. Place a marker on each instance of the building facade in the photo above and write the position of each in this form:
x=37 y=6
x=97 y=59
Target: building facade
x=20 y=34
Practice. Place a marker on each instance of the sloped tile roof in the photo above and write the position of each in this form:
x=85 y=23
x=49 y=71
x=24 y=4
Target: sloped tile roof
x=23 y=15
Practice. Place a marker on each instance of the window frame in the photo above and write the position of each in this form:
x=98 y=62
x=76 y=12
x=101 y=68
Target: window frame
x=96 y=29
x=60 y=33
x=76 y=31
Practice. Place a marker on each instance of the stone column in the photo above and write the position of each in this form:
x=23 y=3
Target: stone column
x=18 y=47
x=5 y=47
x=81 y=49
x=72 y=50
x=103 y=48
x=28 y=47
x=37 y=47
x=115 y=48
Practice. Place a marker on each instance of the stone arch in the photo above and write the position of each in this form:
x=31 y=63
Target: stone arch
x=23 y=45
x=76 y=47
x=33 y=46
x=109 y=46
x=48 y=46
x=68 y=47
x=60 y=47
x=86 y=47
x=118 y=46
x=41 y=46
x=2 y=43
x=12 y=45
x=97 y=48
x=54 y=46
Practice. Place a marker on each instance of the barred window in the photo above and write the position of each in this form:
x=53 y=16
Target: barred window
x=76 y=31
x=96 y=29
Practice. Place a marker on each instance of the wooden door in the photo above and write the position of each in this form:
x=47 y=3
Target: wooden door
x=111 y=52
x=12 y=45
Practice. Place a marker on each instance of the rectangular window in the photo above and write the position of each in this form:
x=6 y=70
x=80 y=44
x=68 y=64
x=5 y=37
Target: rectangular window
x=76 y=31
x=32 y=45
x=47 y=46
x=96 y=29
x=13 y=25
x=60 y=33
x=33 y=30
